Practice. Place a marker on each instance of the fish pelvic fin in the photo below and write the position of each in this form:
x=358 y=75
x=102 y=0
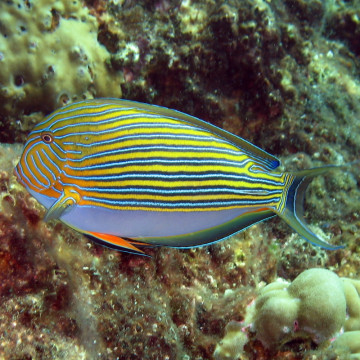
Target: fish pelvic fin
x=116 y=242
x=293 y=210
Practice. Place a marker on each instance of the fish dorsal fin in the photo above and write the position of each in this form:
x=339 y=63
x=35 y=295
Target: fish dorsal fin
x=260 y=156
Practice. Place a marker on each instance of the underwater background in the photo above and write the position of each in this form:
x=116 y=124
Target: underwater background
x=284 y=75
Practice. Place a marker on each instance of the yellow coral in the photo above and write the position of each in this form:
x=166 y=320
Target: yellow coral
x=49 y=54
x=313 y=305
x=317 y=304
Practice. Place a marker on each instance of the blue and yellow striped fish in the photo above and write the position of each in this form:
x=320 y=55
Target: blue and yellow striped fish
x=129 y=174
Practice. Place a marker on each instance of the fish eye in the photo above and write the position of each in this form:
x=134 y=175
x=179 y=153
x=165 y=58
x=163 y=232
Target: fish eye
x=47 y=138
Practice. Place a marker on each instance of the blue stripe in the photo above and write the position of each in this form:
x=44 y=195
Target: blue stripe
x=168 y=176
x=160 y=190
x=25 y=177
x=63 y=111
x=51 y=161
x=40 y=172
x=127 y=127
x=46 y=167
x=156 y=136
x=101 y=122
x=49 y=147
x=59 y=148
x=258 y=169
x=175 y=204
x=174 y=177
x=170 y=148
x=155 y=161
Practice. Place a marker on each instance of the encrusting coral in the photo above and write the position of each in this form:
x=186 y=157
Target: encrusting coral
x=49 y=51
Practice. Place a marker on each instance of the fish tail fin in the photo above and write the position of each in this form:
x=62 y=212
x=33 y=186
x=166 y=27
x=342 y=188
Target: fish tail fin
x=293 y=210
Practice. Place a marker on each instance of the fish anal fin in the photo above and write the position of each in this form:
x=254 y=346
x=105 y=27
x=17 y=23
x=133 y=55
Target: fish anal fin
x=215 y=233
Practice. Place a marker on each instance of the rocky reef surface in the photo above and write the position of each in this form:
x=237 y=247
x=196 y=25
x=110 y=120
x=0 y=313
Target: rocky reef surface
x=283 y=74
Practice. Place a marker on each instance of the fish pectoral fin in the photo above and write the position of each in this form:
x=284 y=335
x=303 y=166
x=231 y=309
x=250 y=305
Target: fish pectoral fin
x=115 y=242
x=64 y=204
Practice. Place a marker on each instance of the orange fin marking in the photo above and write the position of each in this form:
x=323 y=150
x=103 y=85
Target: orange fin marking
x=259 y=210
x=139 y=243
x=116 y=241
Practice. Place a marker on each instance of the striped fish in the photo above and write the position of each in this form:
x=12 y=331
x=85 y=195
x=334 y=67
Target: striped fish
x=129 y=174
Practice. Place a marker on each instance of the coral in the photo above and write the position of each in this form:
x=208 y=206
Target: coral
x=316 y=305
x=348 y=342
x=313 y=305
x=49 y=55
x=352 y=293
x=231 y=346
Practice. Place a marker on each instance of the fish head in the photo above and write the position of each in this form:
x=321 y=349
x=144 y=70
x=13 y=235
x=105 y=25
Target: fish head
x=40 y=166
